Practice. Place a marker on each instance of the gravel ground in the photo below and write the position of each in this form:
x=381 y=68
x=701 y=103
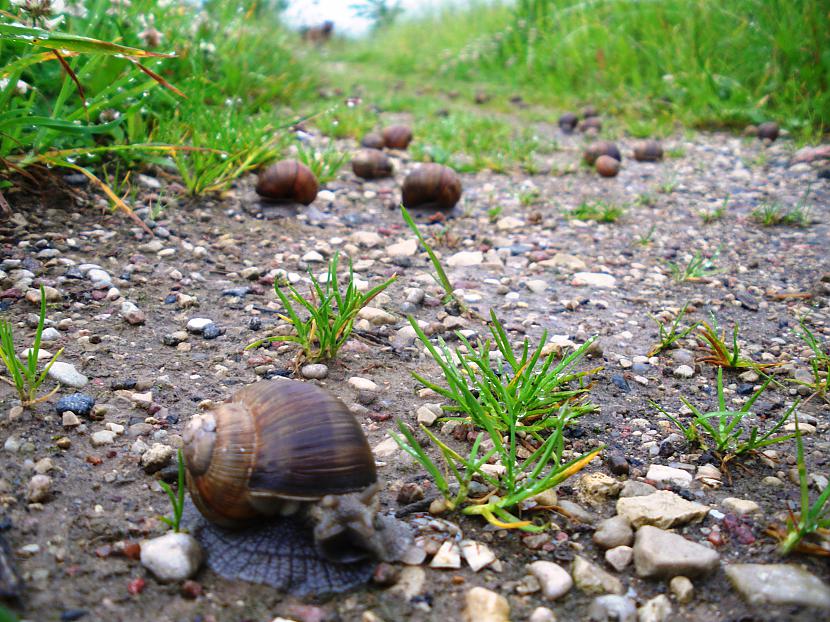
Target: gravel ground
x=120 y=304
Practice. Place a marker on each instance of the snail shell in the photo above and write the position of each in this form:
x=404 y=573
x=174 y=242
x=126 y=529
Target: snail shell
x=272 y=445
x=431 y=184
x=607 y=166
x=648 y=151
x=601 y=147
x=372 y=140
x=371 y=164
x=568 y=122
x=287 y=180
x=397 y=136
x=768 y=131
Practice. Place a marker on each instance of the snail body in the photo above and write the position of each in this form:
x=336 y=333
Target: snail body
x=431 y=184
x=287 y=180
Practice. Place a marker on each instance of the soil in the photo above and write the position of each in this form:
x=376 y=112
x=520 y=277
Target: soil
x=766 y=279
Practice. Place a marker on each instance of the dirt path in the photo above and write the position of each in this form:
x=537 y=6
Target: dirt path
x=215 y=260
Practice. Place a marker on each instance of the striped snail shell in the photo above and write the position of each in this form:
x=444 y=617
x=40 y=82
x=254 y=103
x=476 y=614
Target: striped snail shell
x=287 y=180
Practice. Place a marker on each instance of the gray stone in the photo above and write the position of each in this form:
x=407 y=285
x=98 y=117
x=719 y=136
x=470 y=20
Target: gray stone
x=668 y=475
x=611 y=608
x=315 y=371
x=103 y=437
x=662 y=509
x=592 y=579
x=619 y=557
x=612 y=532
x=465 y=258
x=553 y=579
x=634 y=488
x=132 y=314
x=594 y=279
x=658 y=609
x=67 y=375
x=172 y=557
x=659 y=553
x=778 y=584
x=39 y=489
x=157 y=457
x=683 y=371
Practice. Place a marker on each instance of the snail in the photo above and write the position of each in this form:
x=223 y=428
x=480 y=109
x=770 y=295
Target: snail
x=371 y=164
x=591 y=125
x=648 y=151
x=285 y=459
x=607 y=166
x=602 y=147
x=768 y=131
x=568 y=122
x=431 y=185
x=372 y=140
x=589 y=111
x=397 y=136
x=287 y=180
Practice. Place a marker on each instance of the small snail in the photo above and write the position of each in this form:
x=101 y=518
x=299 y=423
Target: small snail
x=591 y=124
x=372 y=140
x=397 y=136
x=431 y=185
x=568 y=122
x=607 y=166
x=768 y=131
x=602 y=147
x=286 y=457
x=287 y=180
x=648 y=151
x=589 y=111
x=371 y=164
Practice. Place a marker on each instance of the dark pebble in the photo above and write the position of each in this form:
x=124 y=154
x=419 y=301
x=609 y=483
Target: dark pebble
x=745 y=388
x=617 y=464
x=73 y=273
x=402 y=262
x=76 y=179
x=79 y=403
x=170 y=340
x=408 y=307
x=620 y=382
x=172 y=419
x=239 y=292
x=255 y=323
x=520 y=249
x=282 y=373
x=824 y=173
x=640 y=368
x=212 y=331
x=667 y=449
x=126 y=383
x=171 y=298
x=73 y=614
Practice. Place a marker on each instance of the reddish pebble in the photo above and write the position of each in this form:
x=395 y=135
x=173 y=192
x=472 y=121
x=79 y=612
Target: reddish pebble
x=132 y=550
x=457 y=580
x=716 y=538
x=94 y=460
x=136 y=586
x=191 y=589
x=607 y=166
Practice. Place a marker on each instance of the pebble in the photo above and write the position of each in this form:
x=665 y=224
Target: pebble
x=668 y=475
x=542 y=614
x=662 y=509
x=617 y=464
x=683 y=371
x=778 y=584
x=595 y=488
x=39 y=488
x=612 y=608
x=740 y=506
x=635 y=488
x=594 y=279
x=658 y=609
x=157 y=457
x=404 y=248
x=314 y=371
x=484 y=605
x=50 y=334
x=103 y=437
x=428 y=414
x=77 y=403
x=659 y=553
x=613 y=532
x=197 y=324
x=67 y=375
x=132 y=314
x=172 y=557
x=477 y=554
x=554 y=580
x=592 y=579
x=619 y=557
x=363 y=384
x=212 y=331
x=465 y=258
x=448 y=556
x=377 y=317
x=682 y=589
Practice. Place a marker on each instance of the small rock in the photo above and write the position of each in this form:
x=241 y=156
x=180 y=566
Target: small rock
x=658 y=609
x=659 y=553
x=668 y=475
x=77 y=403
x=465 y=258
x=617 y=464
x=50 y=334
x=315 y=371
x=377 y=317
x=537 y=286
x=212 y=331
x=484 y=605
x=428 y=414
x=156 y=458
x=613 y=532
x=197 y=324
x=39 y=489
x=103 y=437
x=594 y=279
x=553 y=579
x=477 y=554
x=132 y=314
x=448 y=556
x=611 y=608
x=778 y=584
x=662 y=509
x=740 y=506
x=682 y=588
x=67 y=375
x=172 y=557
x=363 y=384
x=595 y=488
x=592 y=579
x=619 y=557
x=405 y=248
x=542 y=614
x=683 y=371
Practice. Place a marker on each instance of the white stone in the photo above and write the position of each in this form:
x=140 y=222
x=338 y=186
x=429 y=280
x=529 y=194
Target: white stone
x=197 y=324
x=427 y=414
x=477 y=554
x=594 y=279
x=369 y=239
x=740 y=506
x=683 y=371
x=448 y=556
x=465 y=258
x=619 y=557
x=67 y=375
x=484 y=605
x=668 y=475
x=509 y=222
x=313 y=257
x=662 y=509
x=659 y=553
x=39 y=489
x=386 y=448
x=157 y=457
x=658 y=609
x=404 y=248
x=172 y=557
x=537 y=286
x=363 y=384
x=778 y=584
x=376 y=317
x=103 y=437
x=553 y=579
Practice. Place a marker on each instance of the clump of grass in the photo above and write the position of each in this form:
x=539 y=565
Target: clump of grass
x=715 y=214
x=819 y=362
x=646 y=239
x=668 y=336
x=24 y=376
x=330 y=314
x=324 y=163
x=720 y=353
x=774 y=214
x=521 y=405
x=646 y=199
x=599 y=211
x=176 y=498
x=725 y=429
x=813 y=518
x=494 y=212
x=346 y=120
x=696 y=269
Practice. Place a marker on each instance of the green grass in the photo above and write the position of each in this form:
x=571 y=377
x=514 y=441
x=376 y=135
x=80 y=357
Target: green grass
x=25 y=377
x=714 y=214
x=668 y=336
x=330 y=314
x=724 y=428
x=721 y=354
x=519 y=404
x=773 y=214
x=324 y=163
x=599 y=211
x=176 y=498
x=696 y=268
x=819 y=362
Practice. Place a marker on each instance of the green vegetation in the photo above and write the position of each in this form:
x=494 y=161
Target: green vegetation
x=715 y=214
x=813 y=518
x=324 y=163
x=520 y=404
x=176 y=498
x=721 y=354
x=24 y=376
x=646 y=238
x=773 y=214
x=599 y=211
x=668 y=336
x=331 y=314
x=725 y=427
x=819 y=362
x=697 y=268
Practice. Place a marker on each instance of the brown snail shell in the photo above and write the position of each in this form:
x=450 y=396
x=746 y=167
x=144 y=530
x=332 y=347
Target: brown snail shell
x=568 y=122
x=372 y=140
x=589 y=111
x=372 y=164
x=431 y=184
x=274 y=443
x=607 y=166
x=768 y=131
x=601 y=147
x=648 y=151
x=591 y=124
x=287 y=180
x=397 y=136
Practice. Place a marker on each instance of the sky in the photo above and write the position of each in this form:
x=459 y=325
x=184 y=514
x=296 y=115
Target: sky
x=311 y=12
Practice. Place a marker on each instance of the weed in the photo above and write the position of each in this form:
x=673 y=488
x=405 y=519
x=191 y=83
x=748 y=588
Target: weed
x=646 y=199
x=493 y=213
x=774 y=214
x=669 y=336
x=346 y=120
x=717 y=213
x=668 y=186
x=725 y=427
x=813 y=518
x=646 y=239
x=600 y=211
x=522 y=405
x=177 y=498
x=324 y=163
x=721 y=354
x=819 y=362
x=529 y=197
x=24 y=376
x=675 y=152
x=697 y=268
x=331 y=314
